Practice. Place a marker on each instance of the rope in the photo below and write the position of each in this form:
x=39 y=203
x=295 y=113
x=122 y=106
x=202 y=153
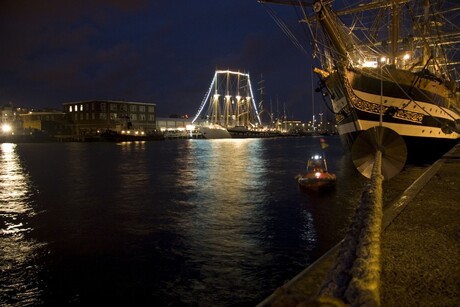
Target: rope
x=355 y=278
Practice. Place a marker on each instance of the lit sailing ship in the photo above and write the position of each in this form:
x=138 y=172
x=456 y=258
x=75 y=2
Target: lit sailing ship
x=405 y=81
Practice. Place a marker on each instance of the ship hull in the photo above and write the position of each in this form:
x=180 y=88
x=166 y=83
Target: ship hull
x=419 y=150
x=214 y=132
x=424 y=120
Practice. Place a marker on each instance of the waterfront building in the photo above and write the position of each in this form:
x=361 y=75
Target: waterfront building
x=49 y=122
x=97 y=116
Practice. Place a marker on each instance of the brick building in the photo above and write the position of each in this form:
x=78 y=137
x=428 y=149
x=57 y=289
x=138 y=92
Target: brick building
x=96 y=116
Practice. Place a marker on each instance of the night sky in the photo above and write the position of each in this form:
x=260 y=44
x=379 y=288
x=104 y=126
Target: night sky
x=163 y=52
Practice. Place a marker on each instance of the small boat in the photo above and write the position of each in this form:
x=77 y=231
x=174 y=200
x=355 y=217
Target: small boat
x=316 y=178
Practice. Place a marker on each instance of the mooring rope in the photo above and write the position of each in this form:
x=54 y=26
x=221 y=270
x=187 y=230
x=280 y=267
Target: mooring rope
x=355 y=277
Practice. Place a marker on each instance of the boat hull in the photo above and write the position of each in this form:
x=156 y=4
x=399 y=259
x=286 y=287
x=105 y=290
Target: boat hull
x=316 y=182
x=215 y=132
x=425 y=122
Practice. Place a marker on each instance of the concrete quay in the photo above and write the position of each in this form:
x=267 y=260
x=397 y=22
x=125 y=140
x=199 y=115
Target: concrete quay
x=419 y=245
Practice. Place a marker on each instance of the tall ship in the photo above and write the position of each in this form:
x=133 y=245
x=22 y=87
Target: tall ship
x=229 y=107
x=392 y=63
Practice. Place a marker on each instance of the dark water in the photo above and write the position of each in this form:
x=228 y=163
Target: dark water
x=187 y=222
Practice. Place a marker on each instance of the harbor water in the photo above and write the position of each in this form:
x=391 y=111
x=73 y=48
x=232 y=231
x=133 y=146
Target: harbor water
x=170 y=223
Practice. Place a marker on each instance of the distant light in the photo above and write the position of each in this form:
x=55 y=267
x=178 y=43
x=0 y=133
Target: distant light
x=406 y=56
x=6 y=128
x=383 y=59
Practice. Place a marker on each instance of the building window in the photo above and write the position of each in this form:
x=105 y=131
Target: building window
x=81 y=107
x=141 y=108
x=113 y=107
x=70 y=108
x=142 y=116
x=123 y=107
x=133 y=116
x=103 y=106
x=151 y=117
x=92 y=106
x=133 y=108
x=76 y=108
x=76 y=117
x=151 y=109
x=87 y=116
x=102 y=115
x=113 y=115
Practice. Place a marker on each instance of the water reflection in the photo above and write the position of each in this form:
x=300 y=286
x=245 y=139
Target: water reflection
x=134 y=176
x=20 y=284
x=227 y=183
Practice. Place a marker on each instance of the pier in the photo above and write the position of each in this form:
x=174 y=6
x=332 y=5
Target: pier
x=419 y=248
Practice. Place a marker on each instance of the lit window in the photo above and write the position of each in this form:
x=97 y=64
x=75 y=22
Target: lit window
x=81 y=107
x=70 y=108
x=76 y=108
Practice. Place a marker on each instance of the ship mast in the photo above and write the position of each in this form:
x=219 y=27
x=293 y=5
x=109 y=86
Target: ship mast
x=426 y=49
x=394 y=31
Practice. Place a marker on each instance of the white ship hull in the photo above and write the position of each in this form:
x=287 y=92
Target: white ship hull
x=215 y=132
